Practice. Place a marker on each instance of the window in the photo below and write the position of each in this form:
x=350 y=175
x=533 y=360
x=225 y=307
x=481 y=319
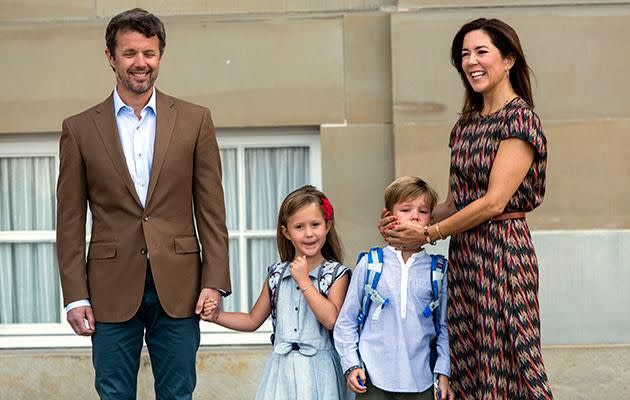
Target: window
x=29 y=283
x=260 y=167
x=259 y=170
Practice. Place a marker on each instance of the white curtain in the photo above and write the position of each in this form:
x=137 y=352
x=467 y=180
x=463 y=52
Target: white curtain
x=271 y=174
x=229 y=166
x=29 y=283
x=260 y=253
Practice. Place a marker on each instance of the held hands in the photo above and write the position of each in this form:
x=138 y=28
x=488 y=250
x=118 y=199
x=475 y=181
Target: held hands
x=211 y=311
x=209 y=304
x=445 y=388
x=81 y=319
x=353 y=381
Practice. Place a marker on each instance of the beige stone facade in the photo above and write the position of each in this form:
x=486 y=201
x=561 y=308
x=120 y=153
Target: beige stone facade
x=354 y=65
x=374 y=77
x=576 y=373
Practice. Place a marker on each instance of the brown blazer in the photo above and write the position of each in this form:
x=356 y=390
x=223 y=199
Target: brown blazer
x=186 y=169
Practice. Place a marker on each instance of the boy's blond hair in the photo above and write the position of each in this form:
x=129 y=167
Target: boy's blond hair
x=407 y=188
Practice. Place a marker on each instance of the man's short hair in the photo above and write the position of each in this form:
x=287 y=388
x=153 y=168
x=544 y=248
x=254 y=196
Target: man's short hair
x=408 y=188
x=137 y=20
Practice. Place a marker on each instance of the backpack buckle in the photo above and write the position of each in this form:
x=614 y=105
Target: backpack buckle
x=428 y=310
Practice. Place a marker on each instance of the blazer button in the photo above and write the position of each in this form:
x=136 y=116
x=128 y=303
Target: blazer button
x=143 y=251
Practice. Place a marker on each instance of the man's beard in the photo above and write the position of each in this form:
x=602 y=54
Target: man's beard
x=128 y=82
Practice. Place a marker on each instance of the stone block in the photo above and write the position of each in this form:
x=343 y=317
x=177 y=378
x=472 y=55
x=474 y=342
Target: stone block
x=367 y=64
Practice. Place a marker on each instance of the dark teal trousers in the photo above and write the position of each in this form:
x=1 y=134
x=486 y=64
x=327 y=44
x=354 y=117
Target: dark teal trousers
x=172 y=345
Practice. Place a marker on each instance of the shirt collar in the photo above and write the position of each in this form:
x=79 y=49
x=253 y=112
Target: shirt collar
x=415 y=255
x=315 y=272
x=119 y=103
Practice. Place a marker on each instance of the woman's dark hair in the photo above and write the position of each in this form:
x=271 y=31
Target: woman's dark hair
x=137 y=20
x=505 y=39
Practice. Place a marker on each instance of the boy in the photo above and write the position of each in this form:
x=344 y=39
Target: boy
x=388 y=357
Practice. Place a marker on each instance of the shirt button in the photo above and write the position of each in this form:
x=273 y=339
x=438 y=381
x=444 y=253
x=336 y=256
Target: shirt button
x=146 y=218
x=296 y=309
x=295 y=330
x=143 y=251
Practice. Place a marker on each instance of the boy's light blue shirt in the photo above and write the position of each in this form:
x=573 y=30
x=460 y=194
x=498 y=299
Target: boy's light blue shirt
x=394 y=348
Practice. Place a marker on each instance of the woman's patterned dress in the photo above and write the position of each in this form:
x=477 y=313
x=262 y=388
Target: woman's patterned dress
x=493 y=313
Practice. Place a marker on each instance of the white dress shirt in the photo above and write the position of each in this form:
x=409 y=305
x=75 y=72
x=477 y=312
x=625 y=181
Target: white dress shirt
x=137 y=137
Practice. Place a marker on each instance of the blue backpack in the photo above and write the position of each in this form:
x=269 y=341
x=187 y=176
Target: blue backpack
x=371 y=295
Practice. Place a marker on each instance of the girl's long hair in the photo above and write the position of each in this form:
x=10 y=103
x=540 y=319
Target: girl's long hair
x=295 y=201
x=505 y=39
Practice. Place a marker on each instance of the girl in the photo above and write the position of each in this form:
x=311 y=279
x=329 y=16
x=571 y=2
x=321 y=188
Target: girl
x=303 y=293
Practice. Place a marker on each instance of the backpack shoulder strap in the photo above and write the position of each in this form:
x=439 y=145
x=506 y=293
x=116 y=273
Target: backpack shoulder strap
x=373 y=273
x=274 y=276
x=438 y=269
x=327 y=275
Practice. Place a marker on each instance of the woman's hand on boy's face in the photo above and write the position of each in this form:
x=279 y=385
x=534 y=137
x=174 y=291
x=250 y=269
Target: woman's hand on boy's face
x=406 y=236
x=387 y=221
x=354 y=384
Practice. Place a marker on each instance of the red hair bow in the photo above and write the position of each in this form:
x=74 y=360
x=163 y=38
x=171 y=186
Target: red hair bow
x=327 y=208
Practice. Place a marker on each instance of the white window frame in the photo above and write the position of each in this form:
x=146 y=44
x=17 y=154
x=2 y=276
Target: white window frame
x=60 y=335
x=32 y=335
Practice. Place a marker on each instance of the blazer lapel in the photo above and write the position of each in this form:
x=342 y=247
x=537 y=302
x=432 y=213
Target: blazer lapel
x=108 y=130
x=165 y=122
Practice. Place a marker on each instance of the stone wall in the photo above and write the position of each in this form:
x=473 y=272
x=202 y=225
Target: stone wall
x=374 y=77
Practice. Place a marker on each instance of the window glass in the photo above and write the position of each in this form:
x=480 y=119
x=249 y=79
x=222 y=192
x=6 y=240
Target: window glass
x=29 y=283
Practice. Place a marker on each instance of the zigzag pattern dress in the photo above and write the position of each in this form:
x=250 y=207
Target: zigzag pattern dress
x=493 y=313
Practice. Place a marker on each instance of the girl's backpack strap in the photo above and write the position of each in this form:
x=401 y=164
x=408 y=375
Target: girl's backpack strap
x=328 y=273
x=275 y=273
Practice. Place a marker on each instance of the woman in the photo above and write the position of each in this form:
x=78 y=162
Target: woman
x=497 y=174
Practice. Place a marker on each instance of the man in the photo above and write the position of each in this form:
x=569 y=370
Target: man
x=148 y=165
